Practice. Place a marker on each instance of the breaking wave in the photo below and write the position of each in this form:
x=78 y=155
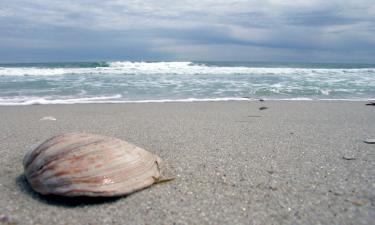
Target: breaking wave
x=125 y=81
x=170 y=68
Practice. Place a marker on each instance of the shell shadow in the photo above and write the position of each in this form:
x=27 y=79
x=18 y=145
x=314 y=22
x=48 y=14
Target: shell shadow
x=25 y=188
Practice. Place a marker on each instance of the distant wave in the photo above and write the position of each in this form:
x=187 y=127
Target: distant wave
x=170 y=68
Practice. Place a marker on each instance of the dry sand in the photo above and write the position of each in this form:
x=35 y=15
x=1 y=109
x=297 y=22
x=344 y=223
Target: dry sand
x=293 y=163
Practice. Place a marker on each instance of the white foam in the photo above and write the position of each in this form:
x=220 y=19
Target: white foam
x=46 y=101
x=325 y=92
x=175 y=68
x=109 y=99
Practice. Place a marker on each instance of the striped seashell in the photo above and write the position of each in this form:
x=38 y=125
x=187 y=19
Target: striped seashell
x=79 y=164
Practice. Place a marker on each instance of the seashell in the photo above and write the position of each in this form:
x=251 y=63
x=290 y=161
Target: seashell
x=48 y=118
x=80 y=164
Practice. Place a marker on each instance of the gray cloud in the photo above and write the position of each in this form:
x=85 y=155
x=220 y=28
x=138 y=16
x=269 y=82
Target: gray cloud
x=309 y=30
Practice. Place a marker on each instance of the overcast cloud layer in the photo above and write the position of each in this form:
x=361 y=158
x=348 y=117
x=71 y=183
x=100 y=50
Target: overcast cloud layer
x=273 y=30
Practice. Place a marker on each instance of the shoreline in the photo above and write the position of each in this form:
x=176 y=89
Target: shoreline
x=233 y=163
x=189 y=100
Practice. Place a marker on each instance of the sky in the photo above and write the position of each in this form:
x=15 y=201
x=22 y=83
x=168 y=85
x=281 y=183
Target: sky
x=195 y=30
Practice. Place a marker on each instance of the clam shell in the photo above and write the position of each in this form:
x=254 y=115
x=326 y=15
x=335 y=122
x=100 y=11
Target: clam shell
x=79 y=164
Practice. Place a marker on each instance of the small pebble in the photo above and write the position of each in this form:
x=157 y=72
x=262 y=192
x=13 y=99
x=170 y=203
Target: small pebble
x=273 y=188
x=370 y=141
x=348 y=158
x=359 y=202
x=4 y=218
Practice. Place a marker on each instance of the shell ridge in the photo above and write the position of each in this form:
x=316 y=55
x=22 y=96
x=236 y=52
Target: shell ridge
x=139 y=174
x=38 y=150
x=43 y=147
x=63 y=160
x=125 y=181
x=95 y=180
x=145 y=166
x=51 y=161
x=124 y=184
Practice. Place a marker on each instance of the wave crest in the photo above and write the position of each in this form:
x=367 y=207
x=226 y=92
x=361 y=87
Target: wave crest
x=172 y=68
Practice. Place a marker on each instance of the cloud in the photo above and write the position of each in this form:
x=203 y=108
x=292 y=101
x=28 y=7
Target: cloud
x=196 y=29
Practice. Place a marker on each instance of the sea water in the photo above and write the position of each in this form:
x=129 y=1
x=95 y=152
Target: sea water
x=124 y=81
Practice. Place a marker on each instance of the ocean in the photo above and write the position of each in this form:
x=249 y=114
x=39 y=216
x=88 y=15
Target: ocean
x=125 y=81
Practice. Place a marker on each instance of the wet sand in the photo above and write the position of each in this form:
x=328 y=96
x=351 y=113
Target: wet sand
x=296 y=162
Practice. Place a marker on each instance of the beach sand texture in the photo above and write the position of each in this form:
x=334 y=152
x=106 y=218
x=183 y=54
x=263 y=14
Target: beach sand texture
x=296 y=162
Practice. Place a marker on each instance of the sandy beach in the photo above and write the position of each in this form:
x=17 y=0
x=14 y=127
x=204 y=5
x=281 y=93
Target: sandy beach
x=296 y=162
